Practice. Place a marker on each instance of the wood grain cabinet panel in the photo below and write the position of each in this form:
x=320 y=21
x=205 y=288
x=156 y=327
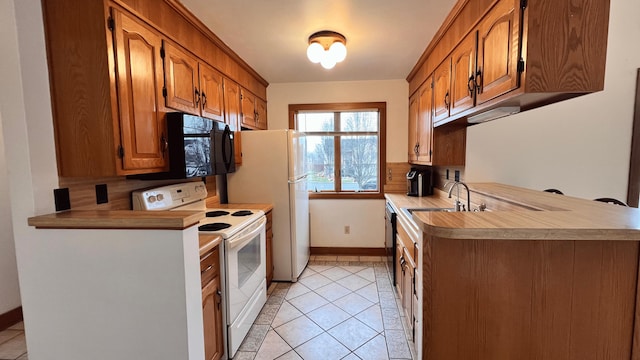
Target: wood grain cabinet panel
x=254 y=111
x=182 y=80
x=269 y=249
x=211 y=87
x=139 y=78
x=261 y=114
x=232 y=115
x=441 y=91
x=414 y=113
x=212 y=304
x=503 y=300
x=425 y=124
x=248 y=109
x=463 y=67
x=498 y=49
x=192 y=86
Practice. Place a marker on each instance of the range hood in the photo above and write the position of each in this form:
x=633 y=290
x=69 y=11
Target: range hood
x=493 y=114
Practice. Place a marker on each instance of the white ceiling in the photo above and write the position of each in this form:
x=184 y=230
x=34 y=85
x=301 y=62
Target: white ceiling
x=385 y=38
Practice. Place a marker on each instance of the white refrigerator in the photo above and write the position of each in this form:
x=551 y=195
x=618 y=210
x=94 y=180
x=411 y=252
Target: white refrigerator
x=273 y=171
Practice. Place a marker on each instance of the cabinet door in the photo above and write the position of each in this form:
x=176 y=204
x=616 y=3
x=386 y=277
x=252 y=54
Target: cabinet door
x=407 y=286
x=261 y=114
x=139 y=84
x=232 y=115
x=413 y=126
x=212 y=319
x=248 y=109
x=498 y=51
x=211 y=93
x=399 y=265
x=181 y=71
x=463 y=67
x=269 y=248
x=441 y=93
x=425 y=125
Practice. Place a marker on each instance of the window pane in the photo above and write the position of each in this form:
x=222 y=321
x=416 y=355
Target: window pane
x=321 y=163
x=315 y=121
x=359 y=164
x=359 y=121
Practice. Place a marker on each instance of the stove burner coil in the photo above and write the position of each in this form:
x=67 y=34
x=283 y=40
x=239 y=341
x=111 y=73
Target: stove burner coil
x=242 y=213
x=213 y=227
x=217 y=213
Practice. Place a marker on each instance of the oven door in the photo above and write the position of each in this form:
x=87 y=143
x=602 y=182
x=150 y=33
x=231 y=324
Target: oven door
x=245 y=259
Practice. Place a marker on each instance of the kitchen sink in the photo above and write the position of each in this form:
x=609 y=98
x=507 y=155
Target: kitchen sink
x=409 y=211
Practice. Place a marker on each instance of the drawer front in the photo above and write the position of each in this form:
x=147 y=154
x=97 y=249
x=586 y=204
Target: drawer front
x=210 y=265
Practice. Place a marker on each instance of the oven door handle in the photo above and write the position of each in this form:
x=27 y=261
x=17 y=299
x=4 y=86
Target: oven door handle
x=247 y=235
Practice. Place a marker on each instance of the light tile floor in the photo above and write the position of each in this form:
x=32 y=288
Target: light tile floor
x=12 y=343
x=342 y=307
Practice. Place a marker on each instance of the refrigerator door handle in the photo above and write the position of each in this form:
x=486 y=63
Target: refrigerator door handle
x=298 y=179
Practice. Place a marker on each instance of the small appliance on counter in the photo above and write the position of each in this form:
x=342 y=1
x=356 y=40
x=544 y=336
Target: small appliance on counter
x=420 y=181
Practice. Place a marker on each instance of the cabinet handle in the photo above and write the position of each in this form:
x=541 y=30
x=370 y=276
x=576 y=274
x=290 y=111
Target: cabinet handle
x=479 y=81
x=256 y=116
x=204 y=99
x=471 y=85
x=416 y=149
x=219 y=294
x=207 y=269
x=446 y=100
x=197 y=94
x=164 y=143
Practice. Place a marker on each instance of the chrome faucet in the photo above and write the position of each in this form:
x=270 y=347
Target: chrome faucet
x=458 y=205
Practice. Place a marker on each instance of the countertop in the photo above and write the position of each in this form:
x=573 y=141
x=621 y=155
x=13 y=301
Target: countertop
x=117 y=219
x=532 y=215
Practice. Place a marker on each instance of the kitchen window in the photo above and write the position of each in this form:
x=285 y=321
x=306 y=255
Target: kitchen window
x=345 y=148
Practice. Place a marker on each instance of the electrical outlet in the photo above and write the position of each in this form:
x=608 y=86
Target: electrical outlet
x=102 y=195
x=457 y=175
x=447 y=175
x=347 y=229
x=61 y=199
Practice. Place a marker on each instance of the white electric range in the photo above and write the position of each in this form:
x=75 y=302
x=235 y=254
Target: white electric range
x=242 y=256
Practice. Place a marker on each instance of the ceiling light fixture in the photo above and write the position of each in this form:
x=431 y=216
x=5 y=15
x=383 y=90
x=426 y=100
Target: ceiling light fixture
x=327 y=48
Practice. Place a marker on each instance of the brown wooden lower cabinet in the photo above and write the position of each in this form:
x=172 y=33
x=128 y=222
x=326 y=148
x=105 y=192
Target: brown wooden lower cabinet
x=212 y=304
x=269 y=250
x=521 y=299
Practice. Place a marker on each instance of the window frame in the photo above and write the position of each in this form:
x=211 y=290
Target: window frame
x=382 y=149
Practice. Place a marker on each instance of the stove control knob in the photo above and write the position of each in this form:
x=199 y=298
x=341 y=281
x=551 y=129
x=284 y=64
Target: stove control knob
x=151 y=199
x=159 y=197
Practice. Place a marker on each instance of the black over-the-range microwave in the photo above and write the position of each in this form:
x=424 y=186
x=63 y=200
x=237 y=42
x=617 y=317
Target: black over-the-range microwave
x=197 y=147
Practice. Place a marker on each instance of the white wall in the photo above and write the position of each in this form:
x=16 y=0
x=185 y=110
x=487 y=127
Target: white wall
x=27 y=127
x=580 y=146
x=10 y=294
x=365 y=217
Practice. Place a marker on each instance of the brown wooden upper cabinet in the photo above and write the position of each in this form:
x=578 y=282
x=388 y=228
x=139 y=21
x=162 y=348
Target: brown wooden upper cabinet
x=254 y=111
x=139 y=78
x=107 y=93
x=420 y=113
x=108 y=83
x=513 y=54
x=191 y=85
x=232 y=115
x=498 y=52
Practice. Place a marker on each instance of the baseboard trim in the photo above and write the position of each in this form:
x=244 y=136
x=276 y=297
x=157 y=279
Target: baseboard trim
x=10 y=318
x=353 y=251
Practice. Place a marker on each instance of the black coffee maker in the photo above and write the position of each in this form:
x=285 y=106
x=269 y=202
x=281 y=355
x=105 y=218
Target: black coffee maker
x=420 y=181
